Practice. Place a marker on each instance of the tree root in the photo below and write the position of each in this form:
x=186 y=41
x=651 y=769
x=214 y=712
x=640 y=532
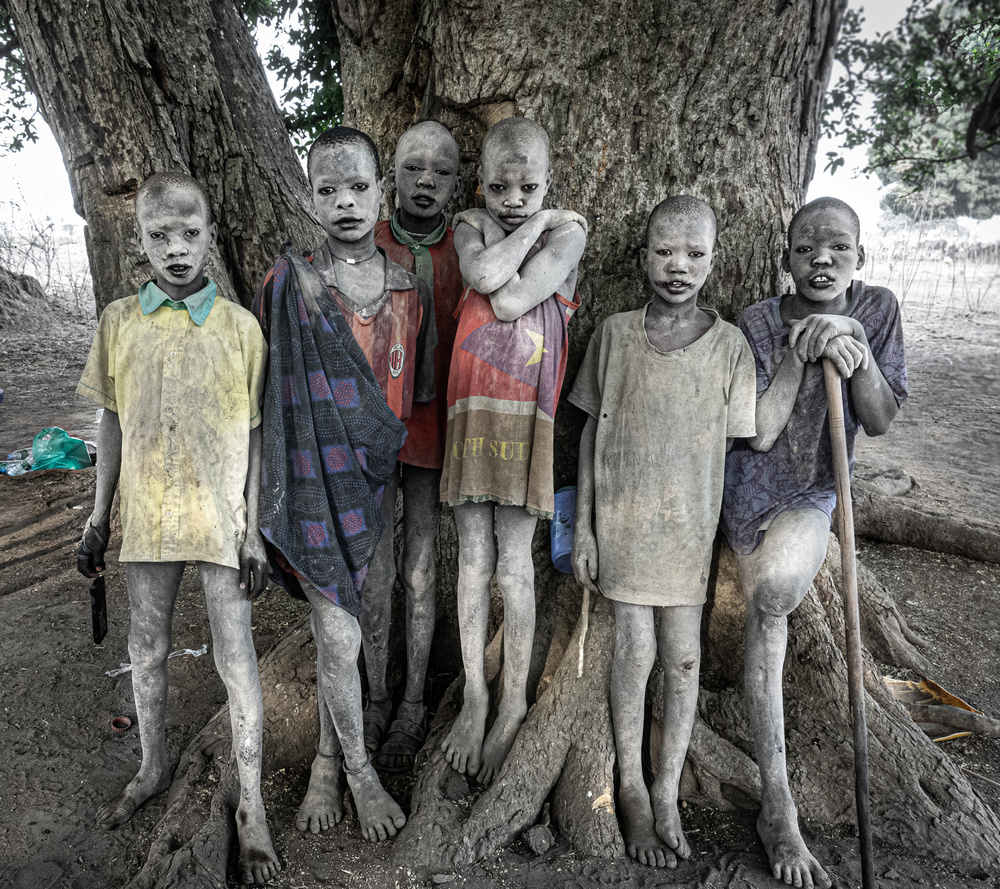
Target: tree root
x=897 y=519
x=565 y=748
x=955 y=717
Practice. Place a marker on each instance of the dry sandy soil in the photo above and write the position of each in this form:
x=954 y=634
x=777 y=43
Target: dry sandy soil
x=60 y=758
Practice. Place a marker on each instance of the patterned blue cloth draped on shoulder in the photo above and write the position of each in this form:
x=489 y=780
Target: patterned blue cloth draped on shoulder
x=330 y=441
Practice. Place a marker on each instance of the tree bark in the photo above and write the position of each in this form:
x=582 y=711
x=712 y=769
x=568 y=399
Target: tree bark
x=133 y=88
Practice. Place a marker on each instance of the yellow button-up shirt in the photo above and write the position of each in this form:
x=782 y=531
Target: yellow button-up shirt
x=186 y=380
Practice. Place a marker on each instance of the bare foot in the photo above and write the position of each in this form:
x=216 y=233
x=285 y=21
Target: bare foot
x=639 y=829
x=258 y=861
x=463 y=747
x=140 y=789
x=787 y=854
x=378 y=813
x=668 y=821
x=323 y=805
x=498 y=743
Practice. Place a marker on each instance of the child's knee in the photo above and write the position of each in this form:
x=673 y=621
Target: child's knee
x=477 y=558
x=147 y=650
x=419 y=572
x=635 y=650
x=338 y=637
x=684 y=665
x=516 y=580
x=778 y=591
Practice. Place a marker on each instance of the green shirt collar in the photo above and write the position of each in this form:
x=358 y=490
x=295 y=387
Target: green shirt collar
x=423 y=264
x=408 y=240
x=198 y=304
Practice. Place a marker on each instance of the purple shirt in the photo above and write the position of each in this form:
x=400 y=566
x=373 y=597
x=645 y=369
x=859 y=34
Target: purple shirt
x=797 y=472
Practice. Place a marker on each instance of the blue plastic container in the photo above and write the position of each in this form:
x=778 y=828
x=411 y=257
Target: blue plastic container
x=561 y=529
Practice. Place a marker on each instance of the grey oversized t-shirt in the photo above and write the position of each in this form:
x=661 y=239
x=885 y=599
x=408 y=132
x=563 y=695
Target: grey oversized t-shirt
x=659 y=462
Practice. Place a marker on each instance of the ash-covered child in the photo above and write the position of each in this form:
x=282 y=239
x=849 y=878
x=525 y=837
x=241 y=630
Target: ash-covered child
x=520 y=264
x=418 y=239
x=179 y=374
x=667 y=388
x=780 y=489
x=352 y=340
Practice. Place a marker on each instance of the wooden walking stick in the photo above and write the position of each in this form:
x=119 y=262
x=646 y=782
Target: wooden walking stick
x=849 y=575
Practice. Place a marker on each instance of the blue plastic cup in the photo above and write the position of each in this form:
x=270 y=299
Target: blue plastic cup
x=561 y=529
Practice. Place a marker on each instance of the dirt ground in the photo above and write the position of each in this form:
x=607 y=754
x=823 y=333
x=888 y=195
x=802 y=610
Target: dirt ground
x=60 y=758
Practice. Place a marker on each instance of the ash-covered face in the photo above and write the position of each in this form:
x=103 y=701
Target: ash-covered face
x=678 y=256
x=346 y=195
x=427 y=172
x=514 y=181
x=823 y=254
x=175 y=231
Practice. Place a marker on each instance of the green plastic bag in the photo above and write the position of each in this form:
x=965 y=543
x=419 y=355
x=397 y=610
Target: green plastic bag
x=54 y=448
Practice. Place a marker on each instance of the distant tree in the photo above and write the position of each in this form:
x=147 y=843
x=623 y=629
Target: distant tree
x=934 y=85
x=965 y=187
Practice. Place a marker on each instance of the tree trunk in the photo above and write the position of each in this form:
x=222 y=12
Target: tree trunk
x=133 y=88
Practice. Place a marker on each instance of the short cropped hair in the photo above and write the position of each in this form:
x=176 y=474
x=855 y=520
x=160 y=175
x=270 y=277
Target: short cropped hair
x=821 y=204
x=337 y=136
x=514 y=132
x=157 y=185
x=685 y=206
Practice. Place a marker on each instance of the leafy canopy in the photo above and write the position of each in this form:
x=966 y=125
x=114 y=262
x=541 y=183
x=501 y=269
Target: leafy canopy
x=17 y=103
x=926 y=80
x=306 y=60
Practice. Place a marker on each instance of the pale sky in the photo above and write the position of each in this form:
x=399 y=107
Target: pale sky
x=35 y=182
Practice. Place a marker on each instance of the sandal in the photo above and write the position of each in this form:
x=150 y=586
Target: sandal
x=375 y=719
x=402 y=744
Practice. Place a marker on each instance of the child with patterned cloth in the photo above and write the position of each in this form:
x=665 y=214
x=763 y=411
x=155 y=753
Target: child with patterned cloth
x=780 y=489
x=520 y=264
x=179 y=374
x=666 y=388
x=418 y=240
x=352 y=341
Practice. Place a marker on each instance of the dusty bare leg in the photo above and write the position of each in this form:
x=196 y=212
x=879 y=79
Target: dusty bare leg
x=776 y=577
x=338 y=642
x=152 y=590
x=236 y=661
x=477 y=556
x=376 y=605
x=635 y=652
x=679 y=644
x=323 y=805
x=516 y=579
x=421 y=514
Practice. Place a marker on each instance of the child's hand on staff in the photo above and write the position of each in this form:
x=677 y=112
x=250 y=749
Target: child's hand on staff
x=809 y=337
x=585 y=558
x=847 y=355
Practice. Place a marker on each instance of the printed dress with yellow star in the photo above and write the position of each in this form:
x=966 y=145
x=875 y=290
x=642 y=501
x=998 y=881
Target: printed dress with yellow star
x=503 y=389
